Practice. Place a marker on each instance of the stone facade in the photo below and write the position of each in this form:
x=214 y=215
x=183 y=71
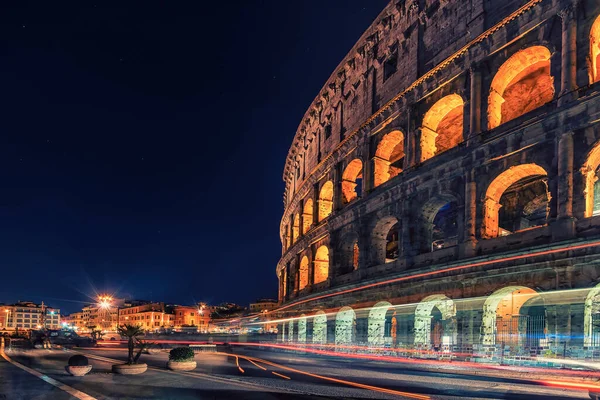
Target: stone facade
x=453 y=153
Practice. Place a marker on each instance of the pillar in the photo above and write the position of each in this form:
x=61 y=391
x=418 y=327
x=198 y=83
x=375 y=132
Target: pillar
x=337 y=187
x=568 y=70
x=470 y=216
x=474 y=102
x=564 y=227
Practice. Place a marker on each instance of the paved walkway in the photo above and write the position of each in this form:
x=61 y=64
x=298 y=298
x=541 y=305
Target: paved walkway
x=16 y=384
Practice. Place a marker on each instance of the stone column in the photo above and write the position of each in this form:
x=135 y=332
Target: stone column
x=568 y=70
x=337 y=188
x=331 y=329
x=316 y=205
x=565 y=224
x=470 y=213
x=474 y=102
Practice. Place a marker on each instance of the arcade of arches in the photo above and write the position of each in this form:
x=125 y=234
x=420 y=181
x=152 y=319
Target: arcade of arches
x=389 y=158
x=352 y=181
x=325 y=200
x=321 y=264
x=442 y=126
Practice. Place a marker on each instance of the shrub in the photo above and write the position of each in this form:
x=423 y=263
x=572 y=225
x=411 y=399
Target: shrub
x=181 y=354
x=78 y=361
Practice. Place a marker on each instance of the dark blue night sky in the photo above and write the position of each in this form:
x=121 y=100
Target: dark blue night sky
x=142 y=146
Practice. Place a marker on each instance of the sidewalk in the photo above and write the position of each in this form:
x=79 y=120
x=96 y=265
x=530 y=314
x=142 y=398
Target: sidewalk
x=18 y=384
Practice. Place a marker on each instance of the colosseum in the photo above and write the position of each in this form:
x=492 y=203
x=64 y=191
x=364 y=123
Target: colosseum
x=441 y=190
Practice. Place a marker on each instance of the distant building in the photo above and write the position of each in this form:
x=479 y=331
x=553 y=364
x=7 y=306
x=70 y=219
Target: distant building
x=75 y=320
x=262 y=305
x=103 y=316
x=26 y=315
x=186 y=316
x=150 y=316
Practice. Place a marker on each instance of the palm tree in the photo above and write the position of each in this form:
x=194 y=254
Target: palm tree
x=132 y=332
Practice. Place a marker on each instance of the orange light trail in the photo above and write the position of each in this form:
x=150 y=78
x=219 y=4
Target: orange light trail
x=237 y=362
x=259 y=366
x=441 y=271
x=341 y=381
x=571 y=385
x=280 y=375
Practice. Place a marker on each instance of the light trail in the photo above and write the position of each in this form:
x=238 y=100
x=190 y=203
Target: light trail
x=335 y=380
x=441 y=271
x=571 y=385
x=259 y=366
x=280 y=375
x=237 y=362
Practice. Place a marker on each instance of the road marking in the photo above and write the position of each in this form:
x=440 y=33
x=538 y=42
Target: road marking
x=72 y=391
x=281 y=375
x=349 y=383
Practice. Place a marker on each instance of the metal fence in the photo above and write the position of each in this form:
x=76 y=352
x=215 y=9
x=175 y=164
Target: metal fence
x=524 y=334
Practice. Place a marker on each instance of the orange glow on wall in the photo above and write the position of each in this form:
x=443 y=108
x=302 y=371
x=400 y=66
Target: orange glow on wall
x=296 y=228
x=325 y=200
x=589 y=174
x=523 y=83
x=351 y=175
x=321 y=264
x=303 y=273
x=442 y=127
x=307 y=216
x=497 y=188
x=355 y=253
x=594 y=66
x=389 y=151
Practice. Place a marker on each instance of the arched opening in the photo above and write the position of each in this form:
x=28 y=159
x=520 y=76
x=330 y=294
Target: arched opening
x=303 y=273
x=302 y=329
x=348 y=254
x=442 y=126
x=385 y=240
x=591 y=318
x=295 y=228
x=521 y=192
x=325 y=200
x=352 y=181
x=595 y=51
x=307 y=216
x=435 y=322
x=290 y=331
x=382 y=325
x=345 y=326
x=321 y=264
x=591 y=171
x=319 y=328
x=389 y=158
x=522 y=84
x=514 y=316
x=440 y=216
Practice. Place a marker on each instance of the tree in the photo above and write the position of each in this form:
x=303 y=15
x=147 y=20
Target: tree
x=132 y=333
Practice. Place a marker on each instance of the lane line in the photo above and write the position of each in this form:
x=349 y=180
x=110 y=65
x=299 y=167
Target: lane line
x=342 y=381
x=72 y=391
x=281 y=375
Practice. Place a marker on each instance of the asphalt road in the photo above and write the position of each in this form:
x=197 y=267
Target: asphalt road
x=256 y=374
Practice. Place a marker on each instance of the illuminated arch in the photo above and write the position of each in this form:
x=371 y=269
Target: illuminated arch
x=307 y=216
x=352 y=181
x=423 y=319
x=498 y=187
x=377 y=320
x=504 y=307
x=442 y=126
x=295 y=228
x=303 y=273
x=385 y=241
x=321 y=264
x=595 y=51
x=345 y=326
x=325 y=200
x=302 y=329
x=319 y=328
x=389 y=155
x=523 y=83
x=590 y=174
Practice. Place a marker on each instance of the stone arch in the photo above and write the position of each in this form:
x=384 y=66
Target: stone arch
x=321 y=263
x=319 y=334
x=435 y=330
x=594 y=56
x=349 y=253
x=307 y=216
x=440 y=217
x=352 y=181
x=385 y=241
x=522 y=84
x=492 y=202
x=302 y=329
x=295 y=228
x=503 y=313
x=442 y=127
x=345 y=326
x=303 y=273
x=389 y=157
x=381 y=324
x=591 y=171
x=325 y=200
